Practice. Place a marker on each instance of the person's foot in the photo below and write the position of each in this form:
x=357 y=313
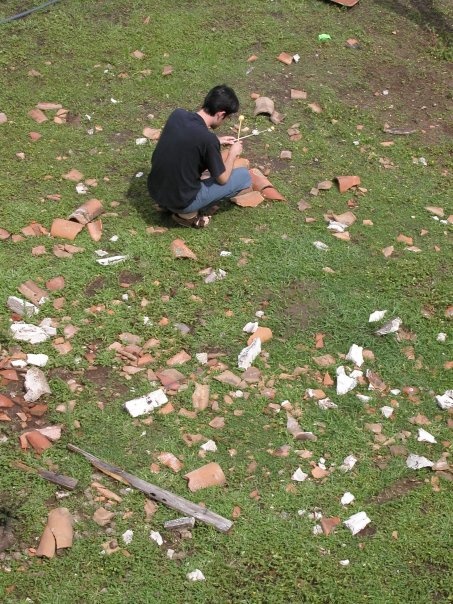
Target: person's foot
x=195 y=220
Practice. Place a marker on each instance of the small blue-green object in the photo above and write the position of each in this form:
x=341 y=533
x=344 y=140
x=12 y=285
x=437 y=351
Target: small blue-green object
x=324 y=37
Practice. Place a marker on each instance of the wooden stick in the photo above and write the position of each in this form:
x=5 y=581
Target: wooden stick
x=172 y=501
x=62 y=481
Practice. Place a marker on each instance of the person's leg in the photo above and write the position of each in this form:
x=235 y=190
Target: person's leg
x=211 y=192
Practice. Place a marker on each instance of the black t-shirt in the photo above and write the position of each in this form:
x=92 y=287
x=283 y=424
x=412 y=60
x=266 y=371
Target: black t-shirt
x=186 y=148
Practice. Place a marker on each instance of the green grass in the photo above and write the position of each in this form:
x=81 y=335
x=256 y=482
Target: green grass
x=271 y=556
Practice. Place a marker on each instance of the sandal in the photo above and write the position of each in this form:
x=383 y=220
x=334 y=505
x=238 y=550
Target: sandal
x=197 y=222
x=210 y=211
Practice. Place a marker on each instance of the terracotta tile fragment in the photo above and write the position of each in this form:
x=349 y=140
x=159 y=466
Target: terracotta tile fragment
x=38 y=250
x=326 y=360
x=179 y=359
x=170 y=461
x=388 y=251
x=65 y=229
x=9 y=374
x=17 y=238
x=200 y=397
x=180 y=250
x=318 y=472
x=55 y=284
x=347 y=182
x=403 y=239
x=37 y=115
x=315 y=107
x=217 y=423
x=138 y=54
x=152 y=134
x=5 y=402
x=248 y=200
x=285 y=57
x=33 y=292
x=328 y=524
x=167 y=70
x=298 y=94
x=73 y=175
x=4 y=234
x=63 y=348
x=263 y=333
x=102 y=517
x=207 y=476
x=58 y=533
x=95 y=230
x=37 y=441
x=87 y=212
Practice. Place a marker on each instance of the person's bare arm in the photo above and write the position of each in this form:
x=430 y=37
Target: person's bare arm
x=235 y=151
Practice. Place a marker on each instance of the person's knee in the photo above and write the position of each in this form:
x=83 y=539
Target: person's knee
x=244 y=179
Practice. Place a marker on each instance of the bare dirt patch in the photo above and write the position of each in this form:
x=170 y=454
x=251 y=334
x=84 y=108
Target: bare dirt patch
x=398 y=489
x=95 y=286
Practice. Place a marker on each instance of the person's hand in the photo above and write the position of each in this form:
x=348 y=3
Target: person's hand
x=236 y=148
x=226 y=140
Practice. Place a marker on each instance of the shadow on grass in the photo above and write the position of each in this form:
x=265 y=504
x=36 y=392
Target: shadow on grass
x=139 y=198
x=423 y=13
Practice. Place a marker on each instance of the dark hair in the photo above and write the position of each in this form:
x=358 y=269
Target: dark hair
x=221 y=98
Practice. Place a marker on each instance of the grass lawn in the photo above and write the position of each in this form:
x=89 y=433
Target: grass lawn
x=80 y=55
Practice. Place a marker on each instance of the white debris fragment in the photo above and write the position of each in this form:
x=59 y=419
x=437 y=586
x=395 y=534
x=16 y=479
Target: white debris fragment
x=315 y=515
x=344 y=562
x=114 y=238
x=249 y=354
x=344 y=382
x=170 y=553
x=357 y=522
x=81 y=188
x=196 y=575
x=355 y=355
x=363 y=397
x=250 y=327
x=259 y=314
x=441 y=337
x=445 y=401
x=127 y=536
x=299 y=476
x=301 y=512
x=146 y=404
x=157 y=537
x=22 y=307
x=202 y=357
x=416 y=462
x=146 y=320
x=111 y=260
x=217 y=275
x=356 y=373
x=317 y=529
x=209 y=446
x=296 y=58
x=101 y=253
x=389 y=327
x=377 y=315
x=387 y=411
x=18 y=364
x=141 y=141
x=347 y=498
x=425 y=437
x=395 y=391
x=114 y=101
x=139 y=175
x=338 y=227
x=35 y=334
x=326 y=403
x=40 y=360
x=348 y=463
x=319 y=245
x=225 y=254
x=35 y=384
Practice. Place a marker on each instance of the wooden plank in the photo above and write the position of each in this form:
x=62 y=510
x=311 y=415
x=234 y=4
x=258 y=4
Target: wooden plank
x=169 y=499
x=62 y=481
